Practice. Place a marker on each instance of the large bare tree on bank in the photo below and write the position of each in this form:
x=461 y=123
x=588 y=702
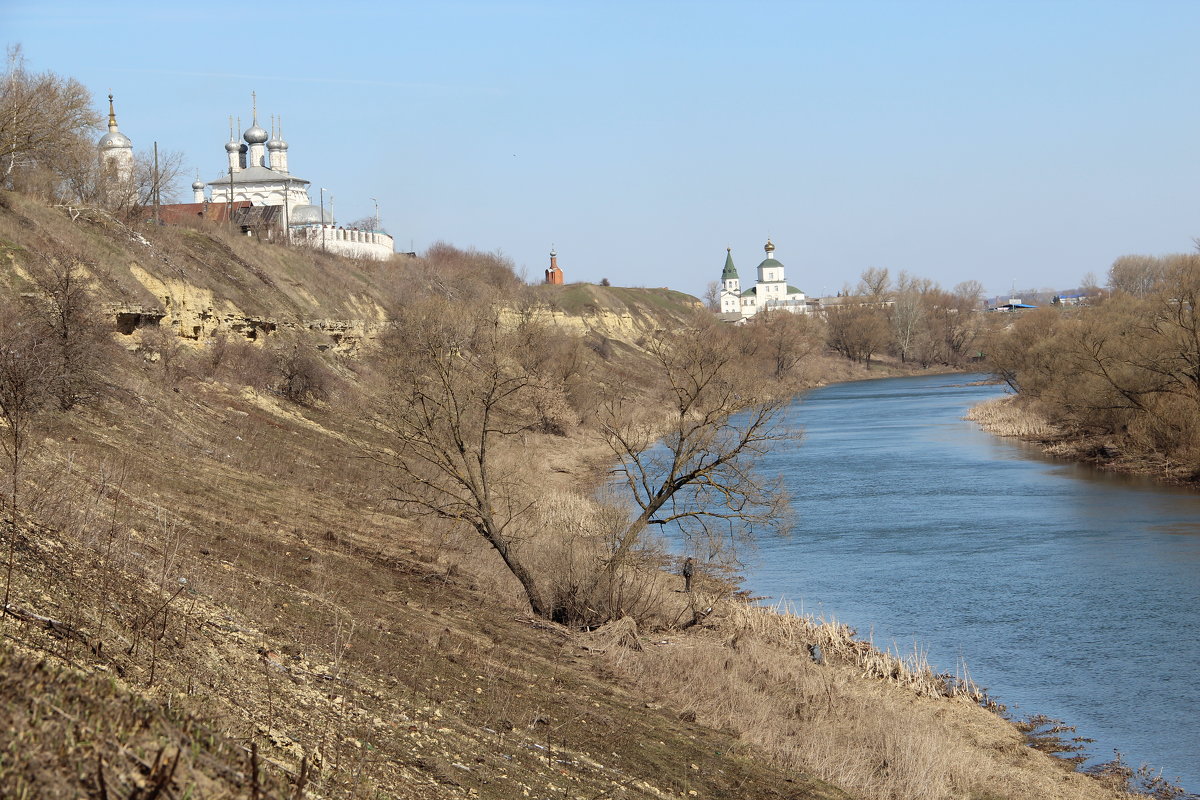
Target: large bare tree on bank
x=464 y=385
x=690 y=457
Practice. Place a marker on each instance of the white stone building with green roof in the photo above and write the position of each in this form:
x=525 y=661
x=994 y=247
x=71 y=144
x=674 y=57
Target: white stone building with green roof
x=770 y=290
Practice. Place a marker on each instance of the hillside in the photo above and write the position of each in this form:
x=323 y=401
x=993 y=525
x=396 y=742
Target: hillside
x=214 y=593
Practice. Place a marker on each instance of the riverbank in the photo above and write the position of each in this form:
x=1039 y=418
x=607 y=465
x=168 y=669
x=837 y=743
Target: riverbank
x=1011 y=416
x=875 y=723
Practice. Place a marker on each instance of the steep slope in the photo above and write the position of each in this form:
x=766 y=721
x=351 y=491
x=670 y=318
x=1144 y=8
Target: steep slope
x=229 y=564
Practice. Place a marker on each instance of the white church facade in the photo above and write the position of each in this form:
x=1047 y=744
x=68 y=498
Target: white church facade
x=770 y=289
x=257 y=172
x=256 y=180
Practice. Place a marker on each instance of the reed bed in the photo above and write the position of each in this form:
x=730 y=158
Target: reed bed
x=1005 y=416
x=828 y=640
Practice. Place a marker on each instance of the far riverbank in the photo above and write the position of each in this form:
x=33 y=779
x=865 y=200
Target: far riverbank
x=1010 y=417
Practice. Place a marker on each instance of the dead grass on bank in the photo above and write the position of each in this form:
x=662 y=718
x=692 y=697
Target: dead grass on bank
x=879 y=725
x=1005 y=416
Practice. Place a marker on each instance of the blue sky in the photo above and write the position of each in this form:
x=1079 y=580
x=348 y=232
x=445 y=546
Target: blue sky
x=1024 y=143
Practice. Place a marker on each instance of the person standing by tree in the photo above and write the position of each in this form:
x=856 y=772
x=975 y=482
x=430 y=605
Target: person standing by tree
x=689 y=569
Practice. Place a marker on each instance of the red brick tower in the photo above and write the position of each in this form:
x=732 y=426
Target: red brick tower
x=554 y=275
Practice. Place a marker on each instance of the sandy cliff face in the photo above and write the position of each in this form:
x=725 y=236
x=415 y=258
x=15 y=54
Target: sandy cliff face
x=619 y=325
x=195 y=313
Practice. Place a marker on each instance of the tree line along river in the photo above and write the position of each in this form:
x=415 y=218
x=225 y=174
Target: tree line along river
x=1067 y=591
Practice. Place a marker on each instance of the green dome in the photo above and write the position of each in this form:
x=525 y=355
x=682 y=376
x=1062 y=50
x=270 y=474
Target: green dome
x=730 y=271
x=770 y=263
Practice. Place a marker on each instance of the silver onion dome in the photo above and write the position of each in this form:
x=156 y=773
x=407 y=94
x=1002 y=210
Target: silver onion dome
x=113 y=140
x=255 y=134
x=198 y=185
x=232 y=147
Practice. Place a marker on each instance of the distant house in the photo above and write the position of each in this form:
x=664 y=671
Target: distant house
x=183 y=213
x=1077 y=298
x=1013 y=304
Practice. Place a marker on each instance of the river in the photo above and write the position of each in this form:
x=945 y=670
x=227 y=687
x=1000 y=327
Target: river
x=1067 y=591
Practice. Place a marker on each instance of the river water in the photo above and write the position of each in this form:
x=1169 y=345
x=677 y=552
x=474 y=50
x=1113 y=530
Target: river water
x=1066 y=591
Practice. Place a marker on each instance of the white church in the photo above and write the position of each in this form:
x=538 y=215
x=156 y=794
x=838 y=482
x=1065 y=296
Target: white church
x=257 y=177
x=115 y=154
x=770 y=290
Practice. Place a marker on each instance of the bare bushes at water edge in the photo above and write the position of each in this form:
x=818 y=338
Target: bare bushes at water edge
x=573 y=537
x=1121 y=377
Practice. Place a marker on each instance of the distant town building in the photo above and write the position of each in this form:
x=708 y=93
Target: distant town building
x=770 y=289
x=1013 y=304
x=554 y=275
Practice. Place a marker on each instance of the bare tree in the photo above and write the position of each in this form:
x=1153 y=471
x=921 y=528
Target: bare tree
x=712 y=296
x=64 y=316
x=22 y=393
x=856 y=330
x=41 y=117
x=466 y=275
x=950 y=328
x=299 y=374
x=161 y=179
x=784 y=341
x=1137 y=275
x=463 y=389
x=131 y=195
x=908 y=312
x=688 y=457
x=972 y=292
x=875 y=283
x=370 y=223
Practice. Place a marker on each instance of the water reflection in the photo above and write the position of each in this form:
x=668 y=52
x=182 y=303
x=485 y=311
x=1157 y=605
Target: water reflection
x=1068 y=591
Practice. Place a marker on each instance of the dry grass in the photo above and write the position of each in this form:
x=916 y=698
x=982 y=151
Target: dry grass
x=833 y=642
x=1006 y=416
x=876 y=724
x=61 y=723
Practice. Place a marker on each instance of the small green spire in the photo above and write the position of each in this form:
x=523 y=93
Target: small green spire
x=730 y=271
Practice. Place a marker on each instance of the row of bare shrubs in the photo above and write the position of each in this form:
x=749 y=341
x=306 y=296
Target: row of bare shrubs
x=1123 y=374
x=288 y=366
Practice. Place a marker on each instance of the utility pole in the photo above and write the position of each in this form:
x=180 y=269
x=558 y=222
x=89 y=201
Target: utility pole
x=376 y=226
x=154 y=184
x=322 y=217
x=287 y=227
